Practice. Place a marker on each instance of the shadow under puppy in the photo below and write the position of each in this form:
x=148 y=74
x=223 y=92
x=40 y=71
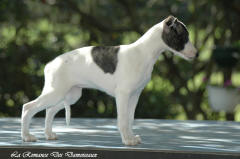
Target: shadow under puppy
x=120 y=71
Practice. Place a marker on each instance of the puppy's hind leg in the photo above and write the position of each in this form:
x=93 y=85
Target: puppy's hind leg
x=50 y=113
x=71 y=97
x=45 y=100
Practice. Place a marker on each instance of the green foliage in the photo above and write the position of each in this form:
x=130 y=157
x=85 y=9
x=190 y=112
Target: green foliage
x=32 y=33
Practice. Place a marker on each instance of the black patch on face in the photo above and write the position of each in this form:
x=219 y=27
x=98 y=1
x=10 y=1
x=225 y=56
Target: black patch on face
x=175 y=34
x=106 y=57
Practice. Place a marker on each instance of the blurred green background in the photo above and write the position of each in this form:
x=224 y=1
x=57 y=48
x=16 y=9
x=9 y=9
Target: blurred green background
x=34 y=32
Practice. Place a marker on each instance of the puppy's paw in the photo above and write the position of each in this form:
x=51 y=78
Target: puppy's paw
x=29 y=138
x=133 y=141
x=138 y=139
x=51 y=136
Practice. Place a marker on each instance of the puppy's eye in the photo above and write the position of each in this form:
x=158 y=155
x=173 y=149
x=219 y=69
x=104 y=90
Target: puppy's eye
x=168 y=23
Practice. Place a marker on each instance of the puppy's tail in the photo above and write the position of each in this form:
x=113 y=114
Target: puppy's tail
x=67 y=113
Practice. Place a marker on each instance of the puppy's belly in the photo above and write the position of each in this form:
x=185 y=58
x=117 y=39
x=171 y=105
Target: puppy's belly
x=104 y=84
x=109 y=90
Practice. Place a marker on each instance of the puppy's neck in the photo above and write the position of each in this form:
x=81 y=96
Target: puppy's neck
x=151 y=44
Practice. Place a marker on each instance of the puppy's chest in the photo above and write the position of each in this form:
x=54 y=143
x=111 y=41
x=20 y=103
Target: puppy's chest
x=144 y=76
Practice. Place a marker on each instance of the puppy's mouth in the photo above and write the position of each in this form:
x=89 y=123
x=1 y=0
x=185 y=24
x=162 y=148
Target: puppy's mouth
x=191 y=57
x=190 y=52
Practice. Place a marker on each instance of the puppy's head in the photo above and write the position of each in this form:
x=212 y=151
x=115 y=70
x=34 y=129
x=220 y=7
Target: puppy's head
x=175 y=35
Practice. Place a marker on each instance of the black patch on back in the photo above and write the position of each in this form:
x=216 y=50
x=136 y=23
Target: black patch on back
x=106 y=57
x=175 y=34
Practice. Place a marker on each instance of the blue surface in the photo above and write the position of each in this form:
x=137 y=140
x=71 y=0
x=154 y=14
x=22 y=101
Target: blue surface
x=157 y=135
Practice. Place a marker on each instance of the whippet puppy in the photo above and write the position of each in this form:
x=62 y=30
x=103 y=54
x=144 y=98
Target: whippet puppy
x=120 y=71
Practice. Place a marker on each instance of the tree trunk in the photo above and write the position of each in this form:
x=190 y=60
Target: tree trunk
x=227 y=73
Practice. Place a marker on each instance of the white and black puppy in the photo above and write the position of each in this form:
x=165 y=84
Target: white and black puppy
x=120 y=71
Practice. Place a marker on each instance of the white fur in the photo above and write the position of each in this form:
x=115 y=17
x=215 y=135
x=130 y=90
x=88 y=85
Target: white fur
x=69 y=73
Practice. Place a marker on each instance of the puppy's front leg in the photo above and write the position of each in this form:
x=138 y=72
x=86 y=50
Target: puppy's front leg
x=124 y=119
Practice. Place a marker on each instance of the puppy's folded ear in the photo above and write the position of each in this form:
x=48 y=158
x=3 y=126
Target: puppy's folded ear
x=169 y=21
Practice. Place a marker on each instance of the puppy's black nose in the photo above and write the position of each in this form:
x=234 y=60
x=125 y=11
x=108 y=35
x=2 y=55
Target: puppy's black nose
x=197 y=54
